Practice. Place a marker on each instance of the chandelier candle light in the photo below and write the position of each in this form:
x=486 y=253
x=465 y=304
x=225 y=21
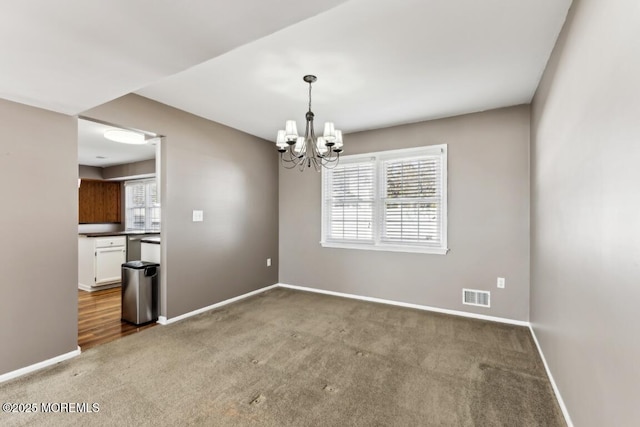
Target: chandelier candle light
x=307 y=150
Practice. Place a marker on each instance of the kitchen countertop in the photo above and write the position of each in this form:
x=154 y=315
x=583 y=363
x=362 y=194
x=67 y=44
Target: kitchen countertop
x=154 y=240
x=118 y=233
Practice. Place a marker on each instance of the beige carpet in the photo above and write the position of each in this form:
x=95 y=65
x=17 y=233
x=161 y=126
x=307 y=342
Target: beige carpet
x=300 y=359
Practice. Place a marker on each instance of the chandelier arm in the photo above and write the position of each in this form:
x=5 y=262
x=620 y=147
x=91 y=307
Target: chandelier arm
x=328 y=162
x=287 y=156
x=285 y=163
x=291 y=157
x=333 y=163
x=329 y=156
x=332 y=158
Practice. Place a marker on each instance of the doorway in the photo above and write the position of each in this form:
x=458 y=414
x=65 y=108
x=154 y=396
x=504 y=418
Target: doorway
x=114 y=173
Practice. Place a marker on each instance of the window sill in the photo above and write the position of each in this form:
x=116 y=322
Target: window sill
x=386 y=248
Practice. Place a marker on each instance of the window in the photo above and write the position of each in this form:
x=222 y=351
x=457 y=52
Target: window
x=142 y=208
x=391 y=200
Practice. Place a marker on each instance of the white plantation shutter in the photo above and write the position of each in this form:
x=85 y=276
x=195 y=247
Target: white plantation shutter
x=153 y=207
x=350 y=190
x=393 y=200
x=135 y=205
x=142 y=210
x=412 y=211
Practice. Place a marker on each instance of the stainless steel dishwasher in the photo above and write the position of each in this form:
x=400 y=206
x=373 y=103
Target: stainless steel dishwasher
x=133 y=246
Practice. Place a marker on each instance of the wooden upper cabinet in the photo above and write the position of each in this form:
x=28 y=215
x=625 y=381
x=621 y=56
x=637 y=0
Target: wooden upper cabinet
x=99 y=202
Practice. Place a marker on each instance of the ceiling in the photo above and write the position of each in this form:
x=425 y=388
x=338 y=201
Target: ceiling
x=379 y=63
x=95 y=150
x=72 y=55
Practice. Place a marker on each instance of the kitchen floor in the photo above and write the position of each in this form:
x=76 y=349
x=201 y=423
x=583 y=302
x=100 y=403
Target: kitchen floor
x=99 y=318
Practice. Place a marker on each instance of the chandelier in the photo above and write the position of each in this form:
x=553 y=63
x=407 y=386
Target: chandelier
x=309 y=150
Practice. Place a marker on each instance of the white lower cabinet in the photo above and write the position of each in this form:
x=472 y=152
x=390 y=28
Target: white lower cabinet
x=100 y=260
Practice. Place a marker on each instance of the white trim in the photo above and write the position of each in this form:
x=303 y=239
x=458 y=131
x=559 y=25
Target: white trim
x=36 y=366
x=409 y=305
x=385 y=247
x=87 y=288
x=83 y=287
x=378 y=161
x=563 y=407
x=164 y=321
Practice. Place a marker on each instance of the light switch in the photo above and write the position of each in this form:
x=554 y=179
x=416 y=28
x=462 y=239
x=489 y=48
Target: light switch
x=198 y=216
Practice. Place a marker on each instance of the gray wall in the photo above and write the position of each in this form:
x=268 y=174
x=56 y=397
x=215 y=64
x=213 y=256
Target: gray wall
x=89 y=172
x=38 y=223
x=230 y=175
x=130 y=170
x=585 y=241
x=126 y=171
x=488 y=172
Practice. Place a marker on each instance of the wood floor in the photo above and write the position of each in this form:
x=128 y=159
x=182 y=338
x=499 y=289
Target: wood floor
x=99 y=318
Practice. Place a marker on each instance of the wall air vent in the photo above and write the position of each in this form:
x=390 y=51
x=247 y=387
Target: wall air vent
x=475 y=297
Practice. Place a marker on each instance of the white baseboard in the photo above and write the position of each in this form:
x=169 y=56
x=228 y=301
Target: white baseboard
x=88 y=288
x=27 y=369
x=563 y=407
x=405 y=304
x=84 y=287
x=164 y=321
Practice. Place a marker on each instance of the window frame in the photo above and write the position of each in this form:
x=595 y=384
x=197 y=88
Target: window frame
x=148 y=207
x=378 y=159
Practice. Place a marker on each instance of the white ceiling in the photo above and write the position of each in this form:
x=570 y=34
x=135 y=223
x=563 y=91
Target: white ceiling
x=72 y=55
x=378 y=62
x=95 y=150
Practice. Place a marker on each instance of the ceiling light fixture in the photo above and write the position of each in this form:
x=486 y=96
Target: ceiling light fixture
x=307 y=150
x=125 y=136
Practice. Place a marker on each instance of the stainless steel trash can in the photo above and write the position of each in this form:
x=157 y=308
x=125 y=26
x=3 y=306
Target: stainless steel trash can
x=140 y=281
